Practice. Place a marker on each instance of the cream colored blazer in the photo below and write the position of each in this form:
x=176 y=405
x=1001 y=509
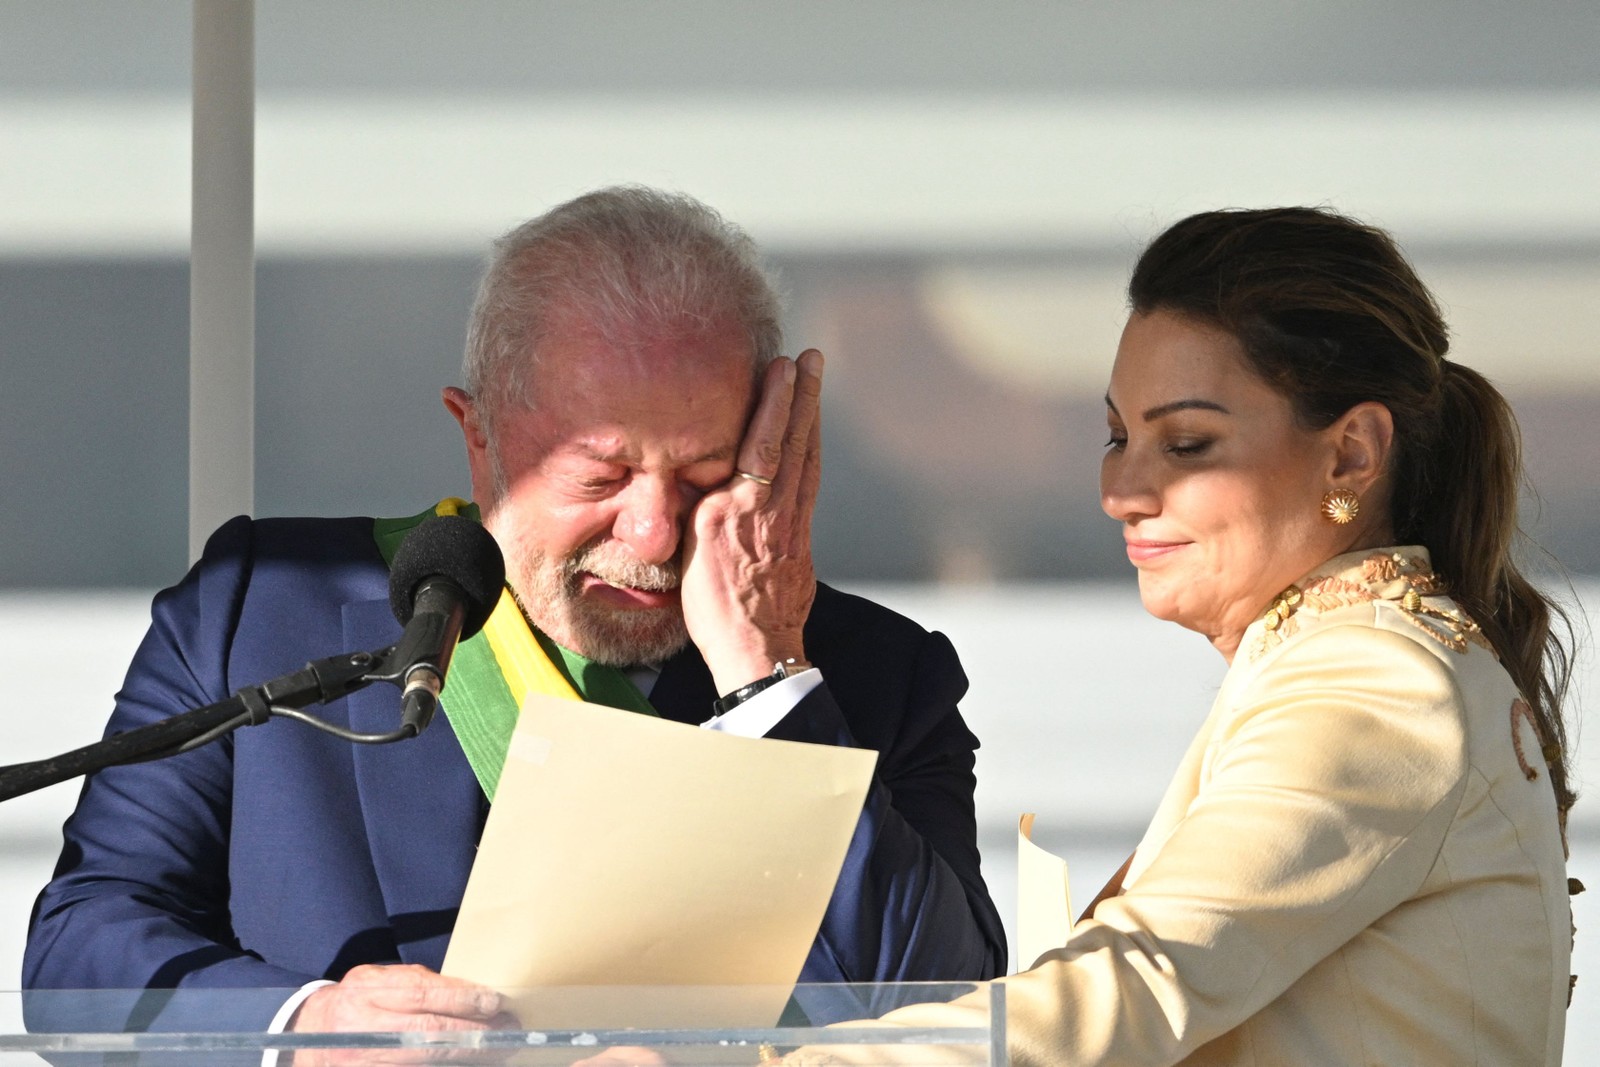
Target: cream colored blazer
x=1357 y=862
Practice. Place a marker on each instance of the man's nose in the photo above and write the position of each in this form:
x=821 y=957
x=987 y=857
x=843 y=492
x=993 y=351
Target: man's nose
x=650 y=521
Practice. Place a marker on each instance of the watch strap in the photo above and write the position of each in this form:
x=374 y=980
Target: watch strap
x=780 y=670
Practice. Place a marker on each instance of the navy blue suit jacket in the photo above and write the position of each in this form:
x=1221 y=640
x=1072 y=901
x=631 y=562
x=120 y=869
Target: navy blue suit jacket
x=281 y=854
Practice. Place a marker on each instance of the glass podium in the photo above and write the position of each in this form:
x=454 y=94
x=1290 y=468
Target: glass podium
x=683 y=1026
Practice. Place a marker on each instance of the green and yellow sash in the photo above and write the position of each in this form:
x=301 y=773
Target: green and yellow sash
x=495 y=669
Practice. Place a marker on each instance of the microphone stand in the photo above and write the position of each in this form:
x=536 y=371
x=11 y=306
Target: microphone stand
x=317 y=682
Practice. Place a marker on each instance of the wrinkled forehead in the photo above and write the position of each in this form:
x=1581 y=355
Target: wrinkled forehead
x=677 y=360
x=660 y=396
x=712 y=356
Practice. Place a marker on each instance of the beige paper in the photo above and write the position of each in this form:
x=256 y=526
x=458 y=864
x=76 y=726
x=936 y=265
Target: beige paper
x=624 y=850
x=1044 y=899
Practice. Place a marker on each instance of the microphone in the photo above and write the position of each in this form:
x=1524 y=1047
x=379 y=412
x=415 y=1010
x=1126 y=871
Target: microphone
x=444 y=584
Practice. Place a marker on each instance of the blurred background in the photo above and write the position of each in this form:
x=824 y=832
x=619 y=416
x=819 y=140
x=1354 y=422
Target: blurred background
x=952 y=193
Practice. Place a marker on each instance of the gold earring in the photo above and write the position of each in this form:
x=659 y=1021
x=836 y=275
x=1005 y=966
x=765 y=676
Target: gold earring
x=1340 y=506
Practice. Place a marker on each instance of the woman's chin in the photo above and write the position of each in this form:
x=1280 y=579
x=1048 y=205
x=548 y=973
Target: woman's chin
x=1159 y=602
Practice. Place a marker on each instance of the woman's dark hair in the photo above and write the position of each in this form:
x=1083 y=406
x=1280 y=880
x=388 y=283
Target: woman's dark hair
x=1330 y=315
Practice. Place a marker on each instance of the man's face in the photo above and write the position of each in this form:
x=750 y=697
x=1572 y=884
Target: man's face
x=588 y=491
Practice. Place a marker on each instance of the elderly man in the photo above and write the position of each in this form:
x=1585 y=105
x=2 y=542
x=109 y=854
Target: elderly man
x=648 y=464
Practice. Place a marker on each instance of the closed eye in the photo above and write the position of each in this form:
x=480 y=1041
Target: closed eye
x=598 y=485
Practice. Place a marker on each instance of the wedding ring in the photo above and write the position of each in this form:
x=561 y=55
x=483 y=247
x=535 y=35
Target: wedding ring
x=759 y=479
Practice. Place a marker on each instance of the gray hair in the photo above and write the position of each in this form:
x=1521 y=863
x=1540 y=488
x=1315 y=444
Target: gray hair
x=619 y=260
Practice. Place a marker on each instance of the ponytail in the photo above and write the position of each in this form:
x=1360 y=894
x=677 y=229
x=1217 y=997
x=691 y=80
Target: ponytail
x=1463 y=493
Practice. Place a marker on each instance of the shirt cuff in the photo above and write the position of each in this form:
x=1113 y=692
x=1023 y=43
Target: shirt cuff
x=758 y=715
x=280 y=1021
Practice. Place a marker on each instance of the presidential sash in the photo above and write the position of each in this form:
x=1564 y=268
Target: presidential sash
x=492 y=671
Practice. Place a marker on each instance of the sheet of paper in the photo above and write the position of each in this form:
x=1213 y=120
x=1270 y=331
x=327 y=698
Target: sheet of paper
x=628 y=851
x=1044 y=900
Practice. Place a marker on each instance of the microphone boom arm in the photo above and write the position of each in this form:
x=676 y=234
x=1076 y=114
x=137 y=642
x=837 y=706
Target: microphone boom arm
x=444 y=581
x=318 y=682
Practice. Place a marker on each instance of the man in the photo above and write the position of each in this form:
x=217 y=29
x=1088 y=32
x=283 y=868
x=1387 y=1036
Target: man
x=648 y=464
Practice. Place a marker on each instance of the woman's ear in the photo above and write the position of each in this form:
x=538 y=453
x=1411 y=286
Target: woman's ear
x=1363 y=438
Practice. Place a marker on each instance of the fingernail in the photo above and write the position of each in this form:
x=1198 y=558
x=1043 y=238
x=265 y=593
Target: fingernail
x=788 y=371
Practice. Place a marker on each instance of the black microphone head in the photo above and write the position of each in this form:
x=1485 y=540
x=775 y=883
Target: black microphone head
x=449 y=546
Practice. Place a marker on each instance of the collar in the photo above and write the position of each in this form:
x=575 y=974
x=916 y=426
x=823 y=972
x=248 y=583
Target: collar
x=1400 y=576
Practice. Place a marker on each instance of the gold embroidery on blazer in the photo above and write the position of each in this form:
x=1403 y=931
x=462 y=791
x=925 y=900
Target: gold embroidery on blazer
x=1453 y=629
x=1520 y=710
x=1383 y=567
x=1325 y=594
x=1392 y=576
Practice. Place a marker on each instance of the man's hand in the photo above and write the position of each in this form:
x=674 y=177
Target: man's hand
x=402 y=997
x=748 y=582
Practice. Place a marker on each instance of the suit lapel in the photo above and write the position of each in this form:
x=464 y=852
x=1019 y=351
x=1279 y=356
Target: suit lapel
x=422 y=805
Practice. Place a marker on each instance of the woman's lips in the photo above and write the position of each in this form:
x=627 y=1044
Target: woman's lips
x=1145 y=551
x=626 y=596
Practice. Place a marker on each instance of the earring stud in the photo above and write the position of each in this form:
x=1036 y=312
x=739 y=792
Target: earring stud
x=1340 y=506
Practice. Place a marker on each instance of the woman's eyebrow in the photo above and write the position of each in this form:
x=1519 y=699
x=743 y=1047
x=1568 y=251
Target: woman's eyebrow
x=1183 y=405
x=1177 y=405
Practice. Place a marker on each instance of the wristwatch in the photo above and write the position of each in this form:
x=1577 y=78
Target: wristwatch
x=784 y=668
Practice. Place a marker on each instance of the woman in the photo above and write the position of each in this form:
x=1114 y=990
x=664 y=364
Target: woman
x=1361 y=859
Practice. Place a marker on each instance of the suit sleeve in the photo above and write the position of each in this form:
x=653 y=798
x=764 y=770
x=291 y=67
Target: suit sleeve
x=139 y=898
x=910 y=905
x=1325 y=803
